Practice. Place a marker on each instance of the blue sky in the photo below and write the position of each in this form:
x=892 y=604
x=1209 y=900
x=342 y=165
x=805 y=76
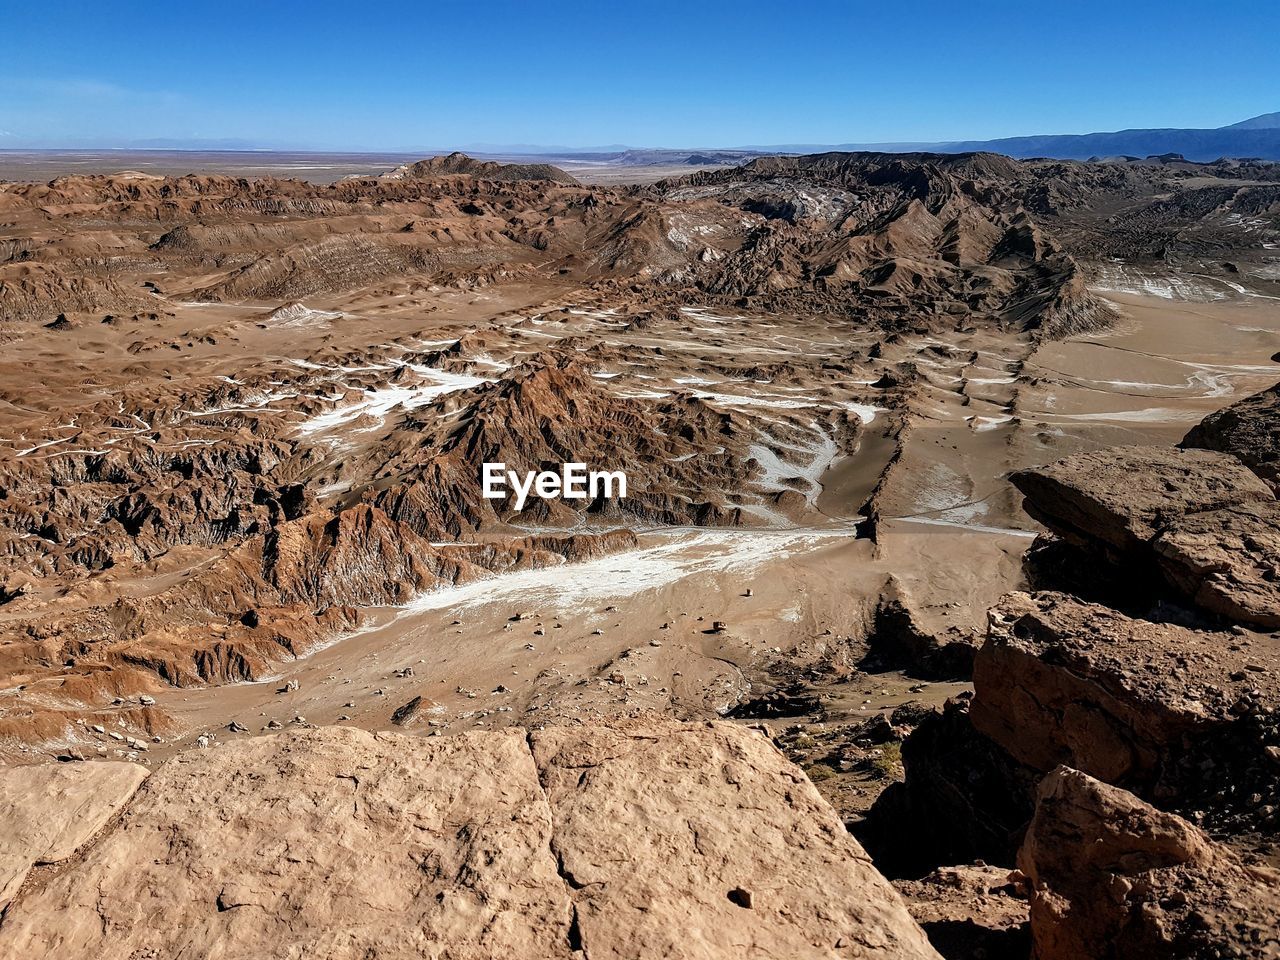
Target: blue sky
x=386 y=76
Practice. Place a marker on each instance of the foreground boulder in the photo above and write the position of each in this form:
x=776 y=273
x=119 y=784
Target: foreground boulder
x=1228 y=562
x=653 y=839
x=1114 y=877
x=1132 y=702
x=1248 y=429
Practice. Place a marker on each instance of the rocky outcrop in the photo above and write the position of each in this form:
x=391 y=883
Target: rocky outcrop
x=1249 y=430
x=1189 y=719
x=1114 y=877
x=1199 y=517
x=50 y=811
x=1128 y=701
x=687 y=462
x=621 y=842
x=1122 y=713
x=1117 y=501
x=131 y=499
x=1227 y=562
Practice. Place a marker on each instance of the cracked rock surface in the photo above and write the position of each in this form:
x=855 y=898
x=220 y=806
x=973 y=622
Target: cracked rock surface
x=645 y=839
x=50 y=811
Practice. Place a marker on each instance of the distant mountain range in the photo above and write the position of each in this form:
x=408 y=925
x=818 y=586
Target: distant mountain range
x=1257 y=137
x=1268 y=121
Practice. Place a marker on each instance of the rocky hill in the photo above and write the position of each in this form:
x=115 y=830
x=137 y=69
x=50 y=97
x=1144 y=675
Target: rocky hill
x=893 y=235
x=459 y=164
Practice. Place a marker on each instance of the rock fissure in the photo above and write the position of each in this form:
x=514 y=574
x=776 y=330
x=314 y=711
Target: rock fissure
x=573 y=931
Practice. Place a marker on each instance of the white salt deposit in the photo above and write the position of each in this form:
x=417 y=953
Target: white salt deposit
x=679 y=554
x=380 y=402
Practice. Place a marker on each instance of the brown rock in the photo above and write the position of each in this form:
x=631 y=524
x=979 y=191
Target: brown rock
x=334 y=842
x=1118 y=500
x=1227 y=561
x=1199 y=517
x=1114 y=877
x=345 y=844
x=49 y=811
x=691 y=794
x=1060 y=681
x=1248 y=429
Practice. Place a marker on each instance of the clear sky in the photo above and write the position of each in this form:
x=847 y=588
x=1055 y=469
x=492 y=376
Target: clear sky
x=385 y=75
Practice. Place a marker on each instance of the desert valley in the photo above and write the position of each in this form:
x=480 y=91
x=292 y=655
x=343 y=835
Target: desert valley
x=941 y=615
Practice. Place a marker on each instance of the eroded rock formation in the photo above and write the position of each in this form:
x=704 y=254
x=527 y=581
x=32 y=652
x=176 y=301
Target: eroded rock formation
x=1199 y=517
x=1128 y=701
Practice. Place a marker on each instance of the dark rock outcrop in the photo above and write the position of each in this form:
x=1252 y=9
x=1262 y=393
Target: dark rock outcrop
x=897 y=641
x=964 y=798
